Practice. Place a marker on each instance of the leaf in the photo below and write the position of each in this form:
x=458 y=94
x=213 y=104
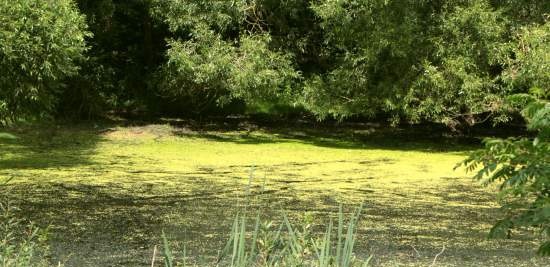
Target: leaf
x=500 y=229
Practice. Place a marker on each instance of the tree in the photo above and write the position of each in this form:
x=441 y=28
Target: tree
x=220 y=52
x=459 y=80
x=373 y=47
x=41 y=44
x=529 y=69
x=522 y=165
x=126 y=48
x=413 y=60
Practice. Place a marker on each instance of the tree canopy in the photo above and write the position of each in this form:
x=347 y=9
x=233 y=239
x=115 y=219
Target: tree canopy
x=451 y=62
x=41 y=44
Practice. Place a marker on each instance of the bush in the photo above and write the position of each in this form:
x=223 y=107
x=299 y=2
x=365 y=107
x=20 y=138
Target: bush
x=522 y=166
x=21 y=244
x=41 y=43
x=285 y=245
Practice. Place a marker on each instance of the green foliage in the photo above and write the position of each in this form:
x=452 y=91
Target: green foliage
x=525 y=12
x=458 y=79
x=125 y=49
x=182 y=15
x=417 y=60
x=285 y=245
x=452 y=62
x=260 y=74
x=197 y=70
x=216 y=60
x=21 y=244
x=522 y=166
x=370 y=44
x=294 y=29
x=41 y=43
x=530 y=68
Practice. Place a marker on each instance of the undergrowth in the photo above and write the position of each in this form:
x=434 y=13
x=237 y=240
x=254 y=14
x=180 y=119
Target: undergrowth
x=283 y=245
x=22 y=244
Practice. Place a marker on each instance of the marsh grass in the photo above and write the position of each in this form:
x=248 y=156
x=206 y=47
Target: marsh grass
x=22 y=244
x=285 y=245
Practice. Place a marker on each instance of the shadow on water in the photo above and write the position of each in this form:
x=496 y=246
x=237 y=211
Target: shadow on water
x=355 y=136
x=456 y=217
x=112 y=224
x=52 y=146
x=103 y=225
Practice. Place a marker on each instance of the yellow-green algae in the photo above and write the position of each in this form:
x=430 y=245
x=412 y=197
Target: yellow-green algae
x=107 y=192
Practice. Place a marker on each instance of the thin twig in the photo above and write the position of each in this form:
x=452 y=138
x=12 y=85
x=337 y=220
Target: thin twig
x=438 y=254
x=415 y=250
x=154 y=254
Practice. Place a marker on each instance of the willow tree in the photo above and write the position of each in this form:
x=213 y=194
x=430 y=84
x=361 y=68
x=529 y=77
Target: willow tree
x=41 y=43
x=442 y=61
x=374 y=48
x=220 y=51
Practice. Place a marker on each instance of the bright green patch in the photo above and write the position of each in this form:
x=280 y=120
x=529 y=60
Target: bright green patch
x=108 y=192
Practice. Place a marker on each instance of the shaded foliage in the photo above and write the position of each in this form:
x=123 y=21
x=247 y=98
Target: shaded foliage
x=126 y=47
x=216 y=55
x=41 y=43
x=447 y=62
x=522 y=166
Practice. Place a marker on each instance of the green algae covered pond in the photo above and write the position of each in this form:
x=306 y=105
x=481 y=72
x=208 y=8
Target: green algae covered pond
x=106 y=192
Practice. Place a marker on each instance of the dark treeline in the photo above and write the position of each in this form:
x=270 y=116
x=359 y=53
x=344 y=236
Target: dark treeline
x=451 y=62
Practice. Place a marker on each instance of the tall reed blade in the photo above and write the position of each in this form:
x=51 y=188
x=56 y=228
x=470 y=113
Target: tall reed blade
x=340 y=230
x=166 y=252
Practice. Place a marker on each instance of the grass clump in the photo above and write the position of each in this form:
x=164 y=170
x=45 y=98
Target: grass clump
x=285 y=245
x=21 y=244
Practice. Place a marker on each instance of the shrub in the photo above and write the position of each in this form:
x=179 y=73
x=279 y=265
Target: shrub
x=285 y=245
x=522 y=166
x=41 y=43
x=21 y=244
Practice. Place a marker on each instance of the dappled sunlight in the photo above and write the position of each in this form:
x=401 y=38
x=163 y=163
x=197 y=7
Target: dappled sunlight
x=120 y=186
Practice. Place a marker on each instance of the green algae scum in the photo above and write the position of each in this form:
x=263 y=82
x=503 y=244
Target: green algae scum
x=105 y=193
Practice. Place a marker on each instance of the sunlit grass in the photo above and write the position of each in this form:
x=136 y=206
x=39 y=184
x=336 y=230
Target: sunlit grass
x=110 y=190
